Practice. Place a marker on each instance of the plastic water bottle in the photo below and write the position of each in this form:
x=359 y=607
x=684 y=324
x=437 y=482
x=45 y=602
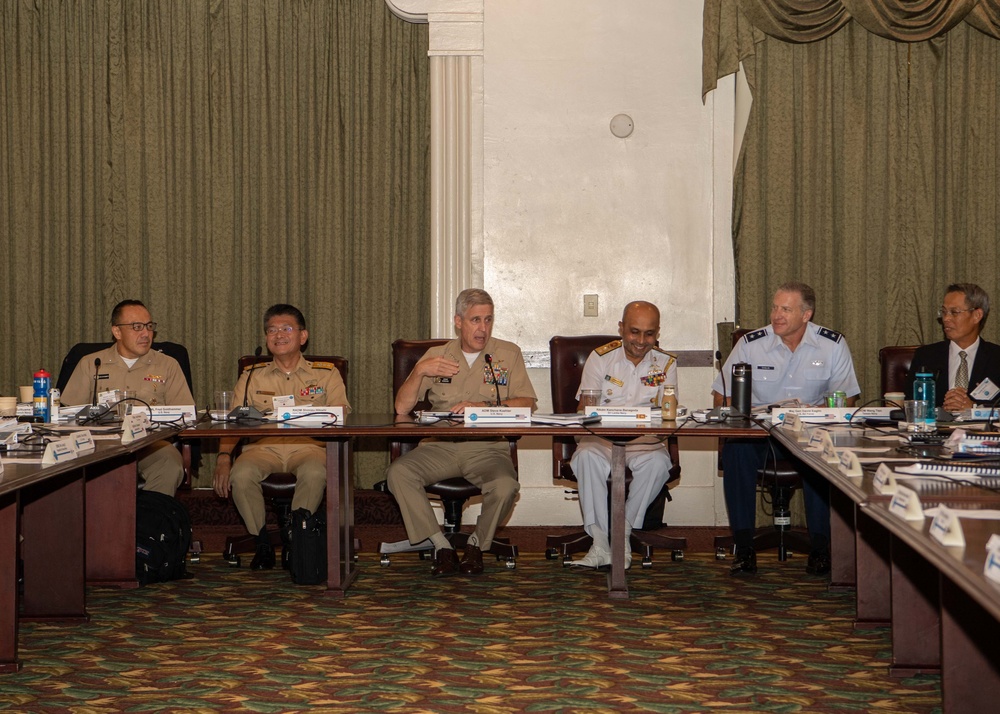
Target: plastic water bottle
x=923 y=390
x=40 y=397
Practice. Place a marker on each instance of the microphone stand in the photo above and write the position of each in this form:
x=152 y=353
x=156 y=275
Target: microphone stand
x=496 y=385
x=247 y=412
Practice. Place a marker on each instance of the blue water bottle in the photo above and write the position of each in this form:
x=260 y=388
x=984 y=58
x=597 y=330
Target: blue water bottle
x=40 y=397
x=923 y=389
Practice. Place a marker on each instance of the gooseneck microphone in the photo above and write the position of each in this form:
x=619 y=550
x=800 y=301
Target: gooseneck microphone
x=248 y=412
x=496 y=384
x=93 y=413
x=722 y=376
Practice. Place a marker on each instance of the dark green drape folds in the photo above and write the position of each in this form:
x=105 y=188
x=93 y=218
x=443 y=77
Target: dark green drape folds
x=213 y=158
x=869 y=166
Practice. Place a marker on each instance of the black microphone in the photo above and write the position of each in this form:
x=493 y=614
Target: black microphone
x=94 y=413
x=720 y=413
x=496 y=384
x=248 y=412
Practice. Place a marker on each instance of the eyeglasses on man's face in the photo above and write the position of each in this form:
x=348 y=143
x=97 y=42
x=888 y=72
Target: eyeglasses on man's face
x=138 y=326
x=279 y=330
x=952 y=312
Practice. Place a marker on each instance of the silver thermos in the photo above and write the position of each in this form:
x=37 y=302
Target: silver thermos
x=742 y=386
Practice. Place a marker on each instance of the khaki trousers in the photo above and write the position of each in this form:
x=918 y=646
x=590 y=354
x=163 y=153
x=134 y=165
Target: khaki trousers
x=161 y=468
x=258 y=461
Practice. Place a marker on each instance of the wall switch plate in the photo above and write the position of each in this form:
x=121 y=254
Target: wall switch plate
x=590 y=305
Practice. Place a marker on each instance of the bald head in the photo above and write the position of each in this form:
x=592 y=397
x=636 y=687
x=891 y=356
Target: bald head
x=639 y=329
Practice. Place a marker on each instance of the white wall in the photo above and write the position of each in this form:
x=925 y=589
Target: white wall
x=570 y=209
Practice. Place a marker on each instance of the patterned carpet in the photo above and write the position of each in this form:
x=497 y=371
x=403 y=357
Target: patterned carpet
x=537 y=639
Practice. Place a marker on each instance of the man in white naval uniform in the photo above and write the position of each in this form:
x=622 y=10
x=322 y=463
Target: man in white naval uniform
x=629 y=373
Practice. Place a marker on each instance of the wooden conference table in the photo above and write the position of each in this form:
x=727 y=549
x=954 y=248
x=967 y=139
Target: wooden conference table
x=339 y=487
x=77 y=521
x=944 y=612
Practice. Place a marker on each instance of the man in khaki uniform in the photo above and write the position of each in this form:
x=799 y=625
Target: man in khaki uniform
x=454 y=376
x=155 y=378
x=289 y=374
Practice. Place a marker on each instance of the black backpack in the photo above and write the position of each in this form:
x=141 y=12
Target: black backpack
x=162 y=537
x=308 y=541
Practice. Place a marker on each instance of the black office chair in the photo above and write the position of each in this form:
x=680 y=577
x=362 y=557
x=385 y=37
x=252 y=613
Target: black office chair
x=279 y=487
x=190 y=450
x=781 y=478
x=568 y=356
x=453 y=492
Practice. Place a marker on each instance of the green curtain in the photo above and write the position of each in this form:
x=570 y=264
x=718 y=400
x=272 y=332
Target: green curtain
x=212 y=158
x=868 y=169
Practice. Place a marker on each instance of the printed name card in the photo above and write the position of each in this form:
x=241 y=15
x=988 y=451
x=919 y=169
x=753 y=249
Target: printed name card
x=946 y=528
x=991 y=568
x=906 y=504
x=830 y=454
x=884 y=481
x=309 y=415
x=133 y=428
x=59 y=452
x=792 y=423
x=83 y=441
x=497 y=415
x=816 y=439
x=618 y=413
x=168 y=413
x=849 y=464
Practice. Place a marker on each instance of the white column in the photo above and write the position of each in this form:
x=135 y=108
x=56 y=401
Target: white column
x=456 y=64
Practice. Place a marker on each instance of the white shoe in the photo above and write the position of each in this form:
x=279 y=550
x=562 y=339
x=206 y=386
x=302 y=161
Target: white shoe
x=595 y=557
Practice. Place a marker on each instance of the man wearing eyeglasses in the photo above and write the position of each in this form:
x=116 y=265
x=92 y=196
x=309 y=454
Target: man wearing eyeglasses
x=962 y=360
x=157 y=379
x=288 y=376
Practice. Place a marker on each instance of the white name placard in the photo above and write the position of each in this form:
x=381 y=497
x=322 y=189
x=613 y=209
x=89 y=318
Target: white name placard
x=849 y=464
x=991 y=568
x=168 y=413
x=946 y=528
x=830 y=454
x=59 y=452
x=792 y=423
x=83 y=441
x=621 y=413
x=884 y=481
x=497 y=415
x=133 y=428
x=309 y=415
x=906 y=504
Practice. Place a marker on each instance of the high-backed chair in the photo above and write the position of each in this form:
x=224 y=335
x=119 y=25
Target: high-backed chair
x=190 y=450
x=781 y=479
x=453 y=492
x=279 y=487
x=568 y=356
x=894 y=363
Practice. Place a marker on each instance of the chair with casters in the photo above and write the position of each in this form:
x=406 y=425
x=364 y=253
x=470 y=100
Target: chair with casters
x=894 y=363
x=190 y=450
x=278 y=488
x=453 y=492
x=781 y=479
x=568 y=356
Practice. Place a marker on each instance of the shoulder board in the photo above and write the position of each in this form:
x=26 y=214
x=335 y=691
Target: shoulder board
x=830 y=334
x=604 y=349
x=664 y=352
x=323 y=365
x=755 y=335
x=256 y=365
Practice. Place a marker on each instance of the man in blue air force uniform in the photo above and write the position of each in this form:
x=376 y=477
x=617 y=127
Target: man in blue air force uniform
x=792 y=358
x=629 y=373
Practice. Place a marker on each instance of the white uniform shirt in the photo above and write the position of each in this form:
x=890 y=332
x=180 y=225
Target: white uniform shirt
x=821 y=363
x=622 y=383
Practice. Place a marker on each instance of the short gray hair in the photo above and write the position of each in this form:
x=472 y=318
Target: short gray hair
x=807 y=293
x=471 y=297
x=975 y=298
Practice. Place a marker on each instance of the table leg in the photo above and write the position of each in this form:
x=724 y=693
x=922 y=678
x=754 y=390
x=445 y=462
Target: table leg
x=873 y=597
x=843 y=556
x=617 y=585
x=52 y=549
x=339 y=518
x=8 y=583
x=111 y=490
x=916 y=614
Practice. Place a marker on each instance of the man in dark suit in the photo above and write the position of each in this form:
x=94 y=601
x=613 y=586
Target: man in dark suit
x=963 y=360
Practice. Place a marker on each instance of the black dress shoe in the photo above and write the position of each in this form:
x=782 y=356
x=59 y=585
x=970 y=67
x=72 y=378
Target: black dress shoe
x=445 y=563
x=819 y=562
x=745 y=563
x=472 y=561
x=263 y=559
